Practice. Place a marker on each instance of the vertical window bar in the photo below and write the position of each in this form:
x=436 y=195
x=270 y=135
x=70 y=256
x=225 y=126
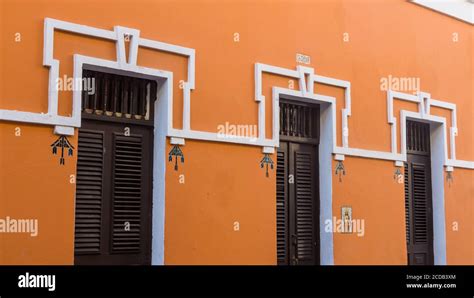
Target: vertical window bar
x=424 y=138
x=125 y=96
x=118 y=96
x=128 y=114
x=302 y=121
x=306 y=123
x=113 y=95
x=281 y=118
x=295 y=120
x=298 y=120
x=427 y=140
x=310 y=132
x=141 y=99
x=292 y=120
x=98 y=94
x=134 y=98
x=304 y=118
x=106 y=98
x=417 y=137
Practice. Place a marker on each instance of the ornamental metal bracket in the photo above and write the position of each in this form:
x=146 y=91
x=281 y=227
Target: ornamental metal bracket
x=397 y=173
x=340 y=170
x=266 y=160
x=62 y=142
x=397 y=176
x=176 y=152
x=449 y=178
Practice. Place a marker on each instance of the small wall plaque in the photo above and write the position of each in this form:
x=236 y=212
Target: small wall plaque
x=304 y=59
x=346 y=216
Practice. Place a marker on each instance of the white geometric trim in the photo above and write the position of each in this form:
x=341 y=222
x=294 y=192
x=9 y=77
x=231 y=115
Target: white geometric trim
x=307 y=79
x=425 y=102
x=117 y=35
x=305 y=76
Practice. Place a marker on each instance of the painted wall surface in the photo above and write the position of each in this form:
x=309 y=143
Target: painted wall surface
x=224 y=183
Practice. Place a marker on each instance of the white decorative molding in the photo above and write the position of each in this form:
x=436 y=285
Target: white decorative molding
x=424 y=102
x=305 y=75
x=307 y=78
x=125 y=63
x=118 y=35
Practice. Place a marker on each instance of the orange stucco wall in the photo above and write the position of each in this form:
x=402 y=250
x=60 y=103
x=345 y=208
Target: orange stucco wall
x=223 y=182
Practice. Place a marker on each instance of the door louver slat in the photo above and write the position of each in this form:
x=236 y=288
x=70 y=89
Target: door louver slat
x=407 y=205
x=89 y=192
x=282 y=208
x=304 y=206
x=420 y=206
x=418 y=211
x=127 y=193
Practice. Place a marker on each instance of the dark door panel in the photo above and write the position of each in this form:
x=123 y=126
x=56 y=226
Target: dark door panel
x=304 y=203
x=297 y=184
x=418 y=196
x=282 y=205
x=113 y=194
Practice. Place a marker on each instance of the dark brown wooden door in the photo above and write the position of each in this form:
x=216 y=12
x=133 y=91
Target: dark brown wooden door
x=418 y=197
x=297 y=204
x=113 y=193
x=298 y=186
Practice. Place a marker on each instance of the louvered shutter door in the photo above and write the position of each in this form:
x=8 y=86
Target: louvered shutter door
x=297 y=184
x=127 y=185
x=305 y=203
x=282 y=204
x=419 y=209
x=113 y=194
x=407 y=205
x=418 y=197
x=420 y=204
x=89 y=182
